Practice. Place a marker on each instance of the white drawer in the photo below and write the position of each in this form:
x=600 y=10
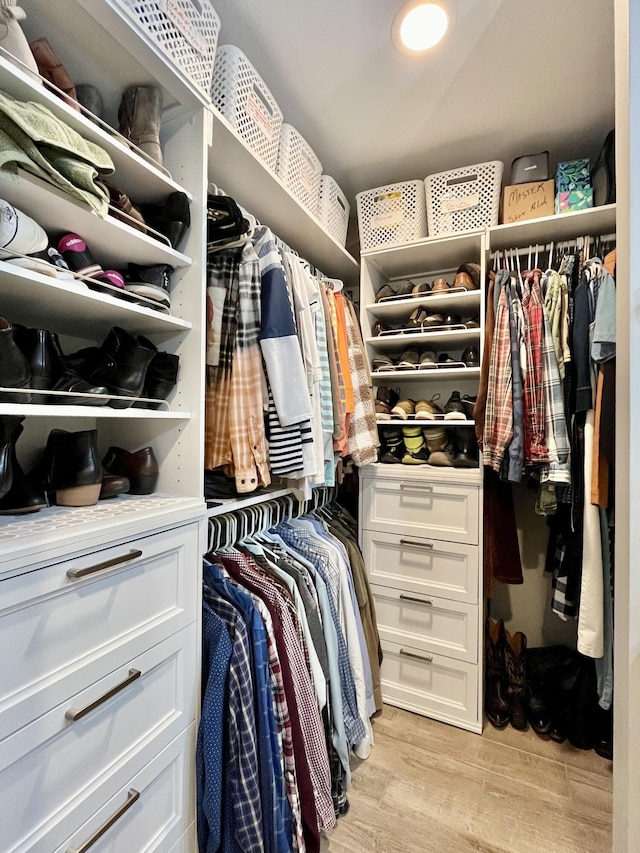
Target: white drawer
x=435 y=509
x=426 y=566
x=53 y=761
x=430 y=684
x=65 y=633
x=157 y=821
x=431 y=624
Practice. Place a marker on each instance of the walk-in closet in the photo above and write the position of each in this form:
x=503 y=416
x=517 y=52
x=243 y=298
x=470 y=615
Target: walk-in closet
x=318 y=383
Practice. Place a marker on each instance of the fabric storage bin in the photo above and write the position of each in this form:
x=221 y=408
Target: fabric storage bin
x=391 y=215
x=298 y=167
x=464 y=199
x=333 y=209
x=244 y=100
x=185 y=30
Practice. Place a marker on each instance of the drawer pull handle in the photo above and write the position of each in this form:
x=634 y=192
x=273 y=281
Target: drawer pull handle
x=426 y=658
x=76 y=574
x=427 y=545
x=426 y=601
x=132 y=796
x=74 y=714
x=416 y=488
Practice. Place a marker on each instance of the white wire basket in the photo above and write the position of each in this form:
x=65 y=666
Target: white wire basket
x=185 y=30
x=464 y=199
x=242 y=96
x=333 y=209
x=391 y=215
x=298 y=167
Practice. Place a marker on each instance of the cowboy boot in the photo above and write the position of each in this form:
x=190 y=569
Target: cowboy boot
x=495 y=701
x=514 y=649
x=13 y=40
x=140 y=115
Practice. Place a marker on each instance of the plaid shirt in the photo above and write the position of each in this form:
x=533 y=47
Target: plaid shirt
x=498 y=422
x=535 y=449
x=243 y=788
x=558 y=469
x=363 y=441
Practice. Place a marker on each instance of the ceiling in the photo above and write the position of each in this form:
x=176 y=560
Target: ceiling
x=513 y=77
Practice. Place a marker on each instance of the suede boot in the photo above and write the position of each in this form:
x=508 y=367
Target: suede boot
x=22 y=497
x=13 y=40
x=515 y=647
x=14 y=367
x=495 y=701
x=140 y=116
x=91 y=100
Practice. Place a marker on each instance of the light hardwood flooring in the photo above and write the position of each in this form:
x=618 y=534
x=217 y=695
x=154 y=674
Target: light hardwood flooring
x=429 y=787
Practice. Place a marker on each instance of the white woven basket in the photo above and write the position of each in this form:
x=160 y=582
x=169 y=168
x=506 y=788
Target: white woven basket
x=299 y=167
x=333 y=209
x=388 y=216
x=244 y=100
x=464 y=199
x=185 y=30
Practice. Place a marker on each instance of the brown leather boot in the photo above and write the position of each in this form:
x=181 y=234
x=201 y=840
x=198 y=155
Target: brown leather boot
x=515 y=647
x=54 y=71
x=495 y=701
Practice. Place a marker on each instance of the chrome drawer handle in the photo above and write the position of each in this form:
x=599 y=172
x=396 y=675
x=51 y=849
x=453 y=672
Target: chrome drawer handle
x=426 y=601
x=76 y=574
x=74 y=714
x=416 y=488
x=427 y=545
x=426 y=658
x=132 y=796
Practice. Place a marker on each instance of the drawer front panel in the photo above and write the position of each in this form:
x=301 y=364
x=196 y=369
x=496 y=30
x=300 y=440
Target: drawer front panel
x=436 y=510
x=428 y=566
x=59 y=757
x=158 y=820
x=430 y=684
x=432 y=624
x=95 y=622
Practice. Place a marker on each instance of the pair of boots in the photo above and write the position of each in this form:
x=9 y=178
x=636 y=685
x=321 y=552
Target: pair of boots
x=505 y=676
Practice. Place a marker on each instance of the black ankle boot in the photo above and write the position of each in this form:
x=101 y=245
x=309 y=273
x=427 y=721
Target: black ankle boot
x=14 y=367
x=8 y=426
x=172 y=218
x=41 y=348
x=161 y=379
x=465 y=448
x=22 y=497
x=69 y=468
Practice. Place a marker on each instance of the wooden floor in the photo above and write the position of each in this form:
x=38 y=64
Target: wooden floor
x=431 y=787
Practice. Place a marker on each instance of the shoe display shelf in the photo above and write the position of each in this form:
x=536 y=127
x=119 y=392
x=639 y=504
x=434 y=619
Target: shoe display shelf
x=100 y=603
x=421 y=524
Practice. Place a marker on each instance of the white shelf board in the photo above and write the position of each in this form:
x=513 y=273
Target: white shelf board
x=233 y=504
x=390 y=377
x=27 y=297
x=455 y=338
x=102 y=412
x=428 y=255
x=425 y=422
x=396 y=310
x=135 y=175
x=564 y=226
x=111 y=243
x=234 y=168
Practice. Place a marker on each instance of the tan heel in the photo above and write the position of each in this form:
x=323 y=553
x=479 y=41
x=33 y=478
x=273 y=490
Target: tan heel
x=78 y=495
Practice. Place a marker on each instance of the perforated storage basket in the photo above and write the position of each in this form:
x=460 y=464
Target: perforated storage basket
x=464 y=199
x=333 y=209
x=185 y=30
x=299 y=167
x=243 y=98
x=391 y=215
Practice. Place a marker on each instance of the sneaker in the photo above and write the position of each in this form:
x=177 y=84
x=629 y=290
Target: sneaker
x=445 y=360
x=383 y=412
x=416 y=451
x=382 y=362
x=454 y=409
x=409 y=360
x=437 y=438
x=152 y=282
x=428 y=409
x=392 y=449
x=443 y=458
x=19 y=233
x=428 y=359
x=403 y=409
x=471 y=357
x=469 y=404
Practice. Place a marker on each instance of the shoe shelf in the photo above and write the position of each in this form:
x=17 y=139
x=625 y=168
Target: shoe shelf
x=450 y=337
x=397 y=310
x=564 y=226
x=136 y=175
x=423 y=257
x=112 y=243
x=233 y=504
x=390 y=377
x=101 y=412
x=428 y=423
x=444 y=473
x=235 y=169
x=27 y=297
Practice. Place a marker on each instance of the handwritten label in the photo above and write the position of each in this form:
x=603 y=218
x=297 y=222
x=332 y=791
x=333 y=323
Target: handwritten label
x=178 y=15
x=453 y=205
x=528 y=201
x=256 y=109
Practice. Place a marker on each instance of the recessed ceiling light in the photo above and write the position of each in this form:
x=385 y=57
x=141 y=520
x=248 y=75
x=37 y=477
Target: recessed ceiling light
x=420 y=26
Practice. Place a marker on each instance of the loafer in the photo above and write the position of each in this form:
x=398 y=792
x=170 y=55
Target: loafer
x=404 y=408
x=406 y=288
x=428 y=409
x=417 y=318
x=112 y=486
x=454 y=409
x=445 y=360
x=473 y=323
x=385 y=292
x=440 y=285
x=428 y=359
x=378 y=328
x=451 y=320
x=409 y=360
x=421 y=289
x=140 y=468
x=433 y=321
x=471 y=357
x=387 y=395
x=468 y=276
x=383 y=411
